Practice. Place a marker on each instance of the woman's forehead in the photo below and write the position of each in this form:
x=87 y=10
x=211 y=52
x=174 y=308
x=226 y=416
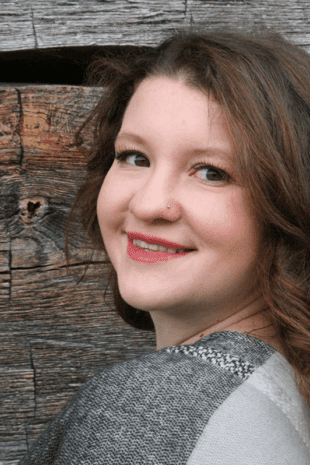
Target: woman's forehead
x=169 y=103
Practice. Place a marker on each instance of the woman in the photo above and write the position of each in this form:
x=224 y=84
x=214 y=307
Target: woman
x=198 y=191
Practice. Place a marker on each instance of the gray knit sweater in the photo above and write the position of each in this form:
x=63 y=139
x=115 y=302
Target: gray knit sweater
x=228 y=399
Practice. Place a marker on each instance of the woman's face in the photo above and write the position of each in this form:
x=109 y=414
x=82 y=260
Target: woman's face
x=174 y=132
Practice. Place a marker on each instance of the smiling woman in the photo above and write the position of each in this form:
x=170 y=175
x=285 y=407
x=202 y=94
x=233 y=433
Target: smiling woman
x=198 y=191
x=209 y=214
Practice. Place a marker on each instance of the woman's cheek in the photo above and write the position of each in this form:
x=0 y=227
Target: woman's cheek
x=112 y=204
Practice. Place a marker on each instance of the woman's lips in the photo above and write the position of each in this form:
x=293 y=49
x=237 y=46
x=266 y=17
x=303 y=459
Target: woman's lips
x=156 y=240
x=141 y=255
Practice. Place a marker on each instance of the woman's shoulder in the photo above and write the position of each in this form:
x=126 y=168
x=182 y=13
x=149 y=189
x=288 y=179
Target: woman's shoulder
x=262 y=421
x=226 y=358
x=265 y=419
x=187 y=390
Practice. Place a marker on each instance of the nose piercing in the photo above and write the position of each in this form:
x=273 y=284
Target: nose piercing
x=168 y=206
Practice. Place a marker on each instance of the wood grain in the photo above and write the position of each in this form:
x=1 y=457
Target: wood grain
x=30 y=24
x=54 y=333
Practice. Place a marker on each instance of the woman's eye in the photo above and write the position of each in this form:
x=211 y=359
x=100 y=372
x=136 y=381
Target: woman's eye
x=124 y=157
x=209 y=172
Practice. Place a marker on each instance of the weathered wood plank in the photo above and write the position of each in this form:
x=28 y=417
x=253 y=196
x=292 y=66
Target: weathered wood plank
x=9 y=141
x=289 y=17
x=5 y=257
x=54 y=334
x=50 y=23
x=29 y=24
x=16 y=26
x=10 y=146
x=17 y=399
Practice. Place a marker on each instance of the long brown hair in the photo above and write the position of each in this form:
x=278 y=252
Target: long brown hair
x=262 y=83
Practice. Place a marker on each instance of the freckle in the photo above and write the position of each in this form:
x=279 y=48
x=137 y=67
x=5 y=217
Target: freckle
x=201 y=335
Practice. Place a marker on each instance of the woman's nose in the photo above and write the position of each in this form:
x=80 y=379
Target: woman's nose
x=152 y=199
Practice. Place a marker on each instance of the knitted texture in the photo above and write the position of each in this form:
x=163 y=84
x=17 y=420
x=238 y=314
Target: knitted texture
x=152 y=409
x=233 y=364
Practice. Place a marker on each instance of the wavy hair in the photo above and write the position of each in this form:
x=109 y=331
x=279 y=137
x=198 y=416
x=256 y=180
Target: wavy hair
x=262 y=83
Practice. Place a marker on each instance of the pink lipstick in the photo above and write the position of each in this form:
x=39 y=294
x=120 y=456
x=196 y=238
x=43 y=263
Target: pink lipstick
x=156 y=241
x=147 y=256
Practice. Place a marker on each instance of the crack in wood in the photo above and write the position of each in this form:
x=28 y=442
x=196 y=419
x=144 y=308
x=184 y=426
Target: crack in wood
x=34 y=382
x=58 y=267
x=36 y=45
x=10 y=268
x=192 y=20
x=19 y=99
x=27 y=439
x=28 y=423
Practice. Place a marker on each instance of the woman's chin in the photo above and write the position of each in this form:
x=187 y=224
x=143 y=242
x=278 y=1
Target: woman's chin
x=146 y=300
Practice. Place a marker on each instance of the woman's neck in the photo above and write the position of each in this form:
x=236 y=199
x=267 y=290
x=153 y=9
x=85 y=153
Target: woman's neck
x=258 y=325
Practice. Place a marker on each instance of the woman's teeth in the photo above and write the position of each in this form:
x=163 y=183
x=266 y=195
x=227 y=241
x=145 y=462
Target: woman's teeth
x=156 y=248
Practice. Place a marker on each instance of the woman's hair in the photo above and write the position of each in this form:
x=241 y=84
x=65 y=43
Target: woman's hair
x=262 y=83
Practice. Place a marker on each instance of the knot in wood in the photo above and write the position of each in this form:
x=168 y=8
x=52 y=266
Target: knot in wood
x=33 y=209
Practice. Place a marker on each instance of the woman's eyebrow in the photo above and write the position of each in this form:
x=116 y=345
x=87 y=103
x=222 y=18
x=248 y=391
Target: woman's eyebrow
x=134 y=137
x=213 y=151
x=207 y=151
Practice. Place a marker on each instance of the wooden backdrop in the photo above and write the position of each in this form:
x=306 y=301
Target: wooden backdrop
x=55 y=333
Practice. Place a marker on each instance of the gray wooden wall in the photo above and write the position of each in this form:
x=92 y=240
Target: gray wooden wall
x=53 y=332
